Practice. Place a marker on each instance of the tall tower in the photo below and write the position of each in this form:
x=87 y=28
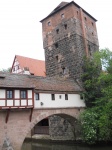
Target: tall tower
x=69 y=34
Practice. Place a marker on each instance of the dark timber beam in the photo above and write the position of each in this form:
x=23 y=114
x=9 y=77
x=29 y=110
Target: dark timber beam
x=7 y=116
x=30 y=117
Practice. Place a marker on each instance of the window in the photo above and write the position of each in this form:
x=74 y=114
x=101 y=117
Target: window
x=65 y=25
x=63 y=70
x=92 y=23
x=57 y=57
x=62 y=16
x=49 y=23
x=56 y=45
x=52 y=96
x=23 y=94
x=37 y=96
x=17 y=67
x=14 y=69
x=9 y=94
x=60 y=96
x=66 y=96
x=57 y=31
x=85 y=19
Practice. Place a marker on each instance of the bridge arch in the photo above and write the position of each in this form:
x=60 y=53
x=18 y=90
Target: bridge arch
x=18 y=125
x=71 y=115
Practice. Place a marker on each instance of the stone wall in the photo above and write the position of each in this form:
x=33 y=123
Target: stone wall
x=60 y=129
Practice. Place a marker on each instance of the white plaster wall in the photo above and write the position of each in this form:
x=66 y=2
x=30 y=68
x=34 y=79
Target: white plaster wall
x=46 y=102
x=17 y=94
x=2 y=93
x=29 y=93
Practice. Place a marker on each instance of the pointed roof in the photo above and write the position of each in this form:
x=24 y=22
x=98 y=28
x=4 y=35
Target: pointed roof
x=62 y=5
x=36 y=67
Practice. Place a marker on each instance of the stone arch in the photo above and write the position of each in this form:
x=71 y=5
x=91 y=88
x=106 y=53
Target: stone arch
x=39 y=115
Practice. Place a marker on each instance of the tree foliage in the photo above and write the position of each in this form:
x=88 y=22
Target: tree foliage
x=96 y=120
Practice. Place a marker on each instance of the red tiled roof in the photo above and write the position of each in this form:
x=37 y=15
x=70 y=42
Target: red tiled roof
x=12 y=80
x=36 y=67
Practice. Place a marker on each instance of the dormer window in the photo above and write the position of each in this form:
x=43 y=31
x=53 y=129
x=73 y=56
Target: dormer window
x=14 y=69
x=49 y=23
x=62 y=16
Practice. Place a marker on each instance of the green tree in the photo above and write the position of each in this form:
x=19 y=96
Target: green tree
x=6 y=70
x=96 y=120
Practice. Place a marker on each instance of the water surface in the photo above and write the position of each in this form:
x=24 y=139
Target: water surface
x=60 y=146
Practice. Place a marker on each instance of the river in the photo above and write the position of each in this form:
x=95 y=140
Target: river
x=60 y=146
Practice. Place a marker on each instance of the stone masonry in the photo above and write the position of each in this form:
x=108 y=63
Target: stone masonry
x=60 y=129
x=67 y=40
x=13 y=133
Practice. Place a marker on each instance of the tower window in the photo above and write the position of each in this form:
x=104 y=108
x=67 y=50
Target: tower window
x=92 y=23
x=62 y=16
x=66 y=96
x=63 y=70
x=77 y=12
x=57 y=57
x=65 y=25
x=56 y=45
x=57 y=31
x=49 y=23
x=92 y=33
x=52 y=96
x=85 y=19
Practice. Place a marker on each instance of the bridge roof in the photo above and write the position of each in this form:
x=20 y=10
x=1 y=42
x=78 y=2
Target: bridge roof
x=11 y=80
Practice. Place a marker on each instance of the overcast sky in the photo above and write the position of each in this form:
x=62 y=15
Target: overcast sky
x=21 y=31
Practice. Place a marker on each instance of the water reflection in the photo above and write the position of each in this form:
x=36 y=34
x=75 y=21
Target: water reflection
x=49 y=146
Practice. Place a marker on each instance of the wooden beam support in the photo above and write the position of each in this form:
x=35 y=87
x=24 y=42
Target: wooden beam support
x=7 y=116
x=30 y=117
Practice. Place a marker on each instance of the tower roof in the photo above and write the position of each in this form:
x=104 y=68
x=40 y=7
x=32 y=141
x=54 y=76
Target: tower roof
x=62 y=5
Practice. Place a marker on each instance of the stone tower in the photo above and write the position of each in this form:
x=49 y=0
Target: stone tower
x=69 y=33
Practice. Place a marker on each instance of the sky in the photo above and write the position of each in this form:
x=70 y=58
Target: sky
x=21 y=30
